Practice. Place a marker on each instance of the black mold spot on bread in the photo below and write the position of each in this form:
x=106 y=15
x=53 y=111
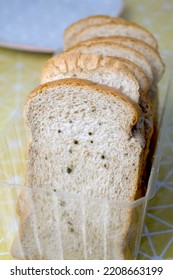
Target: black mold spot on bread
x=90 y=133
x=62 y=203
x=76 y=142
x=102 y=157
x=59 y=131
x=71 y=229
x=69 y=169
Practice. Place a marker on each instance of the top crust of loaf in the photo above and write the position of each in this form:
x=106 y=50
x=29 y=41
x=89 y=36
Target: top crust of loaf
x=76 y=27
x=79 y=83
x=127 y=29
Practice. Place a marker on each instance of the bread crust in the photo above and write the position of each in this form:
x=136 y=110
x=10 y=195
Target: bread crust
x=70 y=31
x=128 y=27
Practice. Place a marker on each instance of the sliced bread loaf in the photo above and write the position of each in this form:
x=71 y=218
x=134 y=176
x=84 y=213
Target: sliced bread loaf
x=126 y=29
x=82 y=142
x=151 y=54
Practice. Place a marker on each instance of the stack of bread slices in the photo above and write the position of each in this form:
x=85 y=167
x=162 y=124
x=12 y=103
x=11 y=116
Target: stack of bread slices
x=91 y=124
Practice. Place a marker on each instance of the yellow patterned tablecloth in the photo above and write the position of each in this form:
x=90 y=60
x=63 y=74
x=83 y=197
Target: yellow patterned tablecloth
x=19 y=74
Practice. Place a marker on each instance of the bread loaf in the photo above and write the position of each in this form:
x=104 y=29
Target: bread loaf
x=90 y=125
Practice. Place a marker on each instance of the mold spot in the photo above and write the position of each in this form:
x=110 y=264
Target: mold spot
x=62 y=203
x=76 y=142
x=69 y=170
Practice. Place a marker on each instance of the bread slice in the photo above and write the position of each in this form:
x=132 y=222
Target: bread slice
x=76 y=27
x=142 y=79
x=151 y=54
x=92 y=67
x=127 y=29
x=117 y=50
x=82 y=142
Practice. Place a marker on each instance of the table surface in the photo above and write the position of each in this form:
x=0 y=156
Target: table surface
x=19 y=74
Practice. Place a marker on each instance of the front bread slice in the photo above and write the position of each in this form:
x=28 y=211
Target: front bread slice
x=81 y=143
